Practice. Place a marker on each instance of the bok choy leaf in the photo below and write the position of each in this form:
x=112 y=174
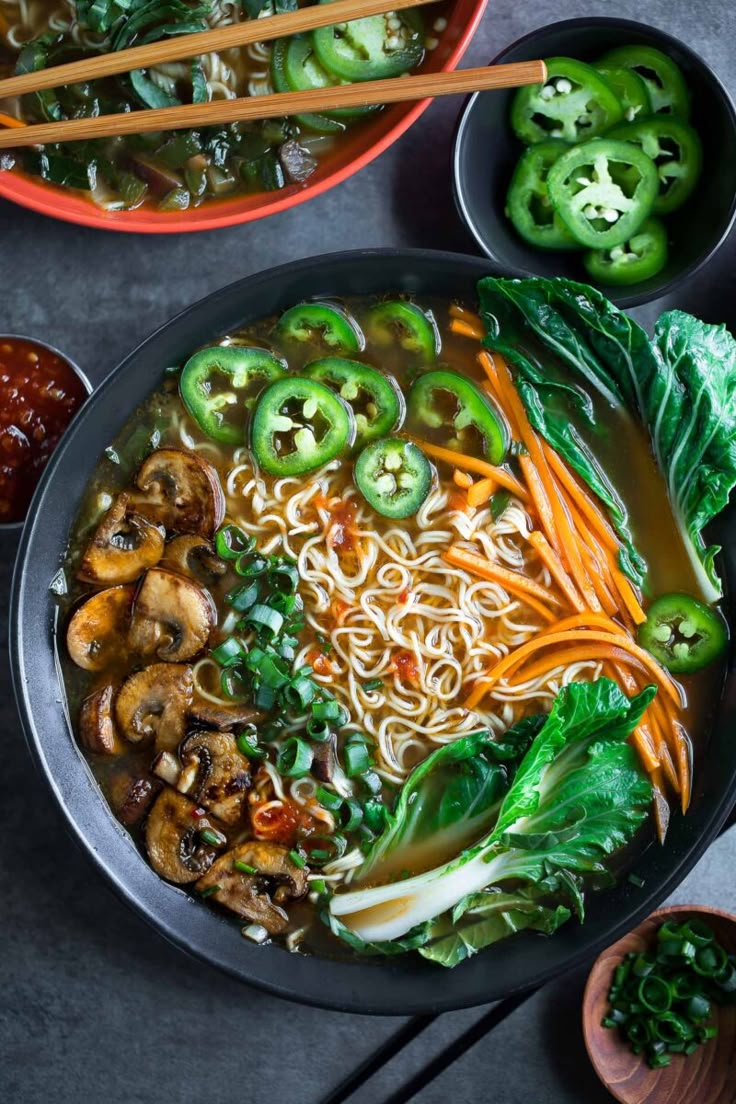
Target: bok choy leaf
x=682 y=385
x=578 y=796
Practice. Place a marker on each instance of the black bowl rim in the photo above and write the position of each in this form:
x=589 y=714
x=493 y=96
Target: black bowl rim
x=403 y=986
x=625 y=299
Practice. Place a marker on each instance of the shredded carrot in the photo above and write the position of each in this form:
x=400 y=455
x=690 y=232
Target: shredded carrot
x=594 y=558
x=471 y=464
x=597 y=652
x=582 y=500
x=626 y=591
x=481 y=491
x=542 y=504
x=458 y=501
x=661 y=805
x=486 y=363
x=467 y=315
x=678 y=746
x=465 y=329
x=552 y=562
x=510 y=580
x=462 y=479
x=642 y=741
x=10 y=120
x=519 y=655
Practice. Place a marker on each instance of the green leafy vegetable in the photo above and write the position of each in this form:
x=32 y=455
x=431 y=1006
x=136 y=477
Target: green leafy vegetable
x=682 y=385
x=578 y=796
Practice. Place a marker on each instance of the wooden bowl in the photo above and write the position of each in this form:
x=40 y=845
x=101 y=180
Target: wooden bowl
x=708 y=1075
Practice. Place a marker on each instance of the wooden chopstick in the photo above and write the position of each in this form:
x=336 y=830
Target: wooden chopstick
x=203 y=42
x=393 y=90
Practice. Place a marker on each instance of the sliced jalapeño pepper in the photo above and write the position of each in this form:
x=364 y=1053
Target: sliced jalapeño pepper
x=371 y=48
x=683 y=633
x=299 y=425
x=394 y=477
x=630 y=89
x=218 y=386
x=574 y=103
x=446 y=401
x=376 y=401
x=603 y=190
x=528 y=204
x=639 y=258
x=676 y=151
x=302 y=70
x=321 y=324
x=405 y=323
x=664 y=81
x=283 y=80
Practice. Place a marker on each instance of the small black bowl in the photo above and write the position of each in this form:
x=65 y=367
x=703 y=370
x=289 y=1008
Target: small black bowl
x=486 y=151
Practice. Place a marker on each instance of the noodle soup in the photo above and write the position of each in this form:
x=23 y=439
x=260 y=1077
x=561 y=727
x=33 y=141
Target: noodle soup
x=328 y=584
x=183 y=169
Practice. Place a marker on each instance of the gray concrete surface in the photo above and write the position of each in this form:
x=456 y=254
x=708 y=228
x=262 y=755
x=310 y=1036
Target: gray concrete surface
x=94 y=1006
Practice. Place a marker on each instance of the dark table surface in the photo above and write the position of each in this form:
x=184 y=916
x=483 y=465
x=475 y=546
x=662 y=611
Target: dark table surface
x=97 y=1007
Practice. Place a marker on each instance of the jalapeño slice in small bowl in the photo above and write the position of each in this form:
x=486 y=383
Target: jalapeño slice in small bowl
x=445 y=401
x=218 y=386
x=299 y=425
x=639 y=258
x=371 y=48
x=528 y=204
x=664 y=81
x=676 y=151
x=574 y=103
x=603 y=190
x=683 y=633
x=321 y=324
x=375 y=400
x=630 y=89
x=394 y=477
x=405 y=324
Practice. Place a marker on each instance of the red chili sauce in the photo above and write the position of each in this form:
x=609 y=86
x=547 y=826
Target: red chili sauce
x=39 y=393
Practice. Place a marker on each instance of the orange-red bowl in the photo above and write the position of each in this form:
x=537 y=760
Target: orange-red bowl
x=359 y=148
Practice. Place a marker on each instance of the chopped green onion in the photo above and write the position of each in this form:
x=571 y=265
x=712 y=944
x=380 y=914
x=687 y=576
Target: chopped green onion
x=285 y=578
x=319 y=885
x=325 y=710
x=230 y=651
x=371 y=781
x=248 y=745
x=324 y=643
x=371 y=685
x=300 y=692
x=213 y=837
x=250 y=565
x=328 y=799
x=635 y=880
x=244 y=867
x=294 y=758
x=351 y=814
x=374 y=813
x=273 y=672
x=357 y=761
x=231 y=542
x=318 y=731
x=331 y=848
x=264 y=698
x=266 y=621
x=243 y=597
x=233 y=684
x=298 y=859
x=209 y=890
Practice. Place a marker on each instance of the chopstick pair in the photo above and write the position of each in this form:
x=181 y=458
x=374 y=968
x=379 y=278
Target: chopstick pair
x=187 y=116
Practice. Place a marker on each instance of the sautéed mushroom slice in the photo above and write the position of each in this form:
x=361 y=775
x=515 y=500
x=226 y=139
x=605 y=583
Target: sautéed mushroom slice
x=215 y=774
x=122 y=547
x=172 y=617
x=181 y=491
x=96 y=724
x=223 y=717
x=174 y=839
x=132 y=797
x=152 y=704
x=258 y=896
x=194 y=557
x=97 y=631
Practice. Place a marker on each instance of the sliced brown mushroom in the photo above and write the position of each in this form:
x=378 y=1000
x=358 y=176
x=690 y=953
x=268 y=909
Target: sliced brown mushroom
x=97 y=633
x=123 y=546
x=172 y=617
x=152 y=704
x=194 y=557
x=181 y=491
x=215 y=774
x=96 y=725
x=222 y=717
x=173 y=839
x=132 y=797
x=257 y=897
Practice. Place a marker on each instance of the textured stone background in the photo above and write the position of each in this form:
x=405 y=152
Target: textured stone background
x=95 y=1006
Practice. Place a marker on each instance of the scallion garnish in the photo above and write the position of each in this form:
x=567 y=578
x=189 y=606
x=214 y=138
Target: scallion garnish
x=241 y=598
x=370 y=780
x=374 y=813
x=209 y=890
x=318 y=885
x=267 y=622
x=230 y=651
x=250 y=565
x=328 y=799
x=325 y=710
x=324 y=849
x=248 y=745
x=357 y=761
x=298 y=859
x=324 y=643
x=231 y=542
x=372 y=685
x=213 y=837
x=351 y=815
x=295 y=758
x=244 y=867
x=285 y=577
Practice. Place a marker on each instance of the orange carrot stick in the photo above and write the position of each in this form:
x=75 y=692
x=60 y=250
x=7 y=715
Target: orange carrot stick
x=10 y=120
x=462 y=479
x=552 y=562
x=541 y=502
x=583 y=501
x=471 y=464
x=512 y=580
x=465 y=329
x=481 y=491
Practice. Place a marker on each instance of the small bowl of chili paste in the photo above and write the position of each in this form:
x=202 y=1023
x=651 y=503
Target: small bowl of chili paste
x=509 y=149
x=40 y=392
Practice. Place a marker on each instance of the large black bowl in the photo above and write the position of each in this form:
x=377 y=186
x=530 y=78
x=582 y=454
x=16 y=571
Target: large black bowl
x=396 y=986
x=486 y=151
